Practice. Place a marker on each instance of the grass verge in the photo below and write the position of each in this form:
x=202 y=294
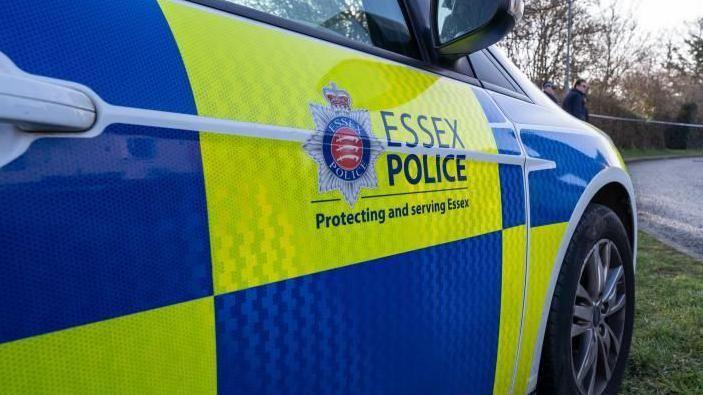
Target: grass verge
x=631 y=153
x=667 y=349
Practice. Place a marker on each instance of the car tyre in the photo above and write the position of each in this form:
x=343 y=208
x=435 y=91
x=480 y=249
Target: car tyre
x=589 y=330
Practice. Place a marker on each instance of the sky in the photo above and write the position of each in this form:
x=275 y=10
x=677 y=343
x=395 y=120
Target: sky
x=656 y=15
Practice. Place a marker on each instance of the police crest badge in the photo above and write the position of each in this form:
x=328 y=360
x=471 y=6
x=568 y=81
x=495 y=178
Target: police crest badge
x=343 y=146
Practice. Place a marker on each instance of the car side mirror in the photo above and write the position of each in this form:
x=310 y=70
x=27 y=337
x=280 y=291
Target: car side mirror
x=461 y=27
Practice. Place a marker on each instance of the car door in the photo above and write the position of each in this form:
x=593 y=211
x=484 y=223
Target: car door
x=269 y=199
x=105 y=254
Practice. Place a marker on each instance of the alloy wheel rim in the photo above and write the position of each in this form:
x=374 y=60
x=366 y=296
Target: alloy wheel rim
x=598 y=318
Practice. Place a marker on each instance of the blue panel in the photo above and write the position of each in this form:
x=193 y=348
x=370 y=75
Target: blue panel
x=98 y=228
x=506 y=141
x=423 y=322
x=554 y=193
x=489 y=108
x=123 y=50
x=512 y=195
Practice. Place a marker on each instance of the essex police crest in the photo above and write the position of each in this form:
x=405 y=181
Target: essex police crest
x=343 y=146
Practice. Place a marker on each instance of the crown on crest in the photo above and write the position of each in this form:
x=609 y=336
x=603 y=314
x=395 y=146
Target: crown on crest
x=338 y=98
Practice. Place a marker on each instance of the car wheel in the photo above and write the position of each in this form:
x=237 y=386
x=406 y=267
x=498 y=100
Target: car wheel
x=589 y=330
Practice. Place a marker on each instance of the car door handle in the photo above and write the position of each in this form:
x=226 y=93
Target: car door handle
x=34 y=105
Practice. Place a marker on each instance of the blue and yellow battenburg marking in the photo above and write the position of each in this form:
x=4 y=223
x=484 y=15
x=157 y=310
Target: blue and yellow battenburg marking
x=209 y=256
x=280 y=311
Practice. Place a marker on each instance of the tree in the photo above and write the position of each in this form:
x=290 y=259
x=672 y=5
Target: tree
x=617 y=48
x=694 y=45
x=630 y=75
x=538 y=43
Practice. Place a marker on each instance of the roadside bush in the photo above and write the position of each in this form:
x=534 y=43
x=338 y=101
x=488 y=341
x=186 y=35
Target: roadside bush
x=643 y=135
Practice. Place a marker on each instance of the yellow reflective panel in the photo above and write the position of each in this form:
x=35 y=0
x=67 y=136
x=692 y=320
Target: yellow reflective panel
x=511 y=298
x=544 y=245
x=268 y=219
x=170 y=350
x=269 y=223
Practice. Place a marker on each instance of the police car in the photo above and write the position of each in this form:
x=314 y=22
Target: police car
x=300 y=196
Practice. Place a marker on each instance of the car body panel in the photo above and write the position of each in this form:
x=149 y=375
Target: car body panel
x=261 y=253
x=586 y=161
x=182 y=233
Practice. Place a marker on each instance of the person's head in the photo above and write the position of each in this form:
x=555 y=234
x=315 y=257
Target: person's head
x=548 y=87
x=581 y=85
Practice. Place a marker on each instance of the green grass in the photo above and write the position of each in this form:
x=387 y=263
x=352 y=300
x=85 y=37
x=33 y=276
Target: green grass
x=629 y=153
x=667 y=348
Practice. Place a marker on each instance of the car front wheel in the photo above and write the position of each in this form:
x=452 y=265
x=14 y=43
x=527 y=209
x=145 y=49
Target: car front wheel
x=589 y=331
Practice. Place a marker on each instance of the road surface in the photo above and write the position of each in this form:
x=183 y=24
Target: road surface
x=670 y=201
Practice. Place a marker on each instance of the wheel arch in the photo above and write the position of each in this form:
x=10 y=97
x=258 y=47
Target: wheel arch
x=616 y=197
x=611 y=187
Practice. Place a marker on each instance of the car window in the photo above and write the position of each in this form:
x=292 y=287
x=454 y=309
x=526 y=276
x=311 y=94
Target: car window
x=489 y=72
x=376 y=23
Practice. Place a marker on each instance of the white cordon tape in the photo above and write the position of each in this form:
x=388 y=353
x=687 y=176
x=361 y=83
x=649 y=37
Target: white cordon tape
x=690 y=125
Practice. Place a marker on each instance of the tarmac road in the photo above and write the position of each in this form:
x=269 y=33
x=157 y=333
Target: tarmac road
x=670 y=201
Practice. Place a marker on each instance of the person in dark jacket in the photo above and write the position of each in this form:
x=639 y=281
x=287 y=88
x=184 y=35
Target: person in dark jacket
x=548 y=89
x=575 y=101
